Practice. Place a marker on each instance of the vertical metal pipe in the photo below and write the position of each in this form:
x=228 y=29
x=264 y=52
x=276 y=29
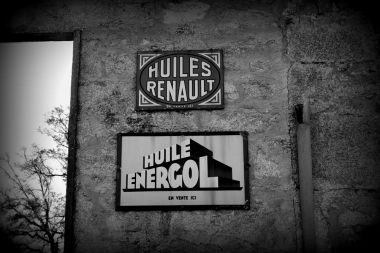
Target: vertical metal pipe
x=306 y=180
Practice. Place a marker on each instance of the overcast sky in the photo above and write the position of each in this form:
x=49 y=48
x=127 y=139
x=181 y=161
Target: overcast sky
x=35 y=77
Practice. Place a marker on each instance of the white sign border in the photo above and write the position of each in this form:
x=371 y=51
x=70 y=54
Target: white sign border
x=245 y=206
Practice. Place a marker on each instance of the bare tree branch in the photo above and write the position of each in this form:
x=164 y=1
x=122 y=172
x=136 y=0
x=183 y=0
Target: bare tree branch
x=32 y=210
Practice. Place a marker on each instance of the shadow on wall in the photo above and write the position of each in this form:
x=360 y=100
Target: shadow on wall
x=366 y=240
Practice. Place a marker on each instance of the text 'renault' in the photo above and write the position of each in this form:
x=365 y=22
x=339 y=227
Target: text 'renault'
x=166 y=79
x=180 y=80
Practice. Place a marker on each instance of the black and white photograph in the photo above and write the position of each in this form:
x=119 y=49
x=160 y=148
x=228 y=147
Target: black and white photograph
x=186 y=126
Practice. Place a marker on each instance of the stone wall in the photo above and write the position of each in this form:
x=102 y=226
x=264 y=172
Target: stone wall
x=334 y=61
x=275 y=53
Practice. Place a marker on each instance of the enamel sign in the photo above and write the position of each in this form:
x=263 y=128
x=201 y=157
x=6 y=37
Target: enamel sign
x=182 y=170
x=180 y=80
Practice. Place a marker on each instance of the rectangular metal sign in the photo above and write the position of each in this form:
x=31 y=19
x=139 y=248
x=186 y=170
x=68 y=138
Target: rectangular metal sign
x=178 y=80
x=201 y=170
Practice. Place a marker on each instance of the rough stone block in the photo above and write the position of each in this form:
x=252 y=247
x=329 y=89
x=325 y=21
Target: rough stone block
x=344 y=119
x=332 y=38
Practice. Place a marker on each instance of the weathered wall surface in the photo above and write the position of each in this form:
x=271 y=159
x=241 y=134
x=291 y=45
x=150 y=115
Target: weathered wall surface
x=274 y=53
x=256 y=101
x=334 y=61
